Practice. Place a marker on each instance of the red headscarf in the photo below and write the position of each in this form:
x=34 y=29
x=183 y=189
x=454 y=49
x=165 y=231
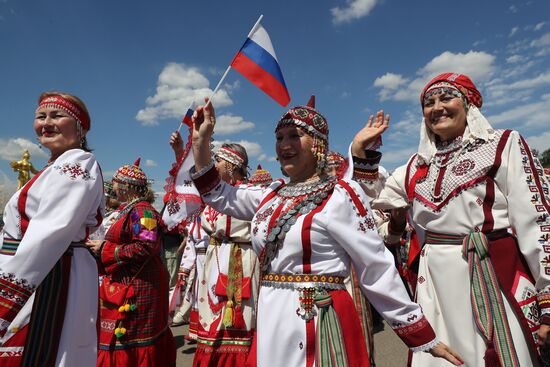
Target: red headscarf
x=462 y=82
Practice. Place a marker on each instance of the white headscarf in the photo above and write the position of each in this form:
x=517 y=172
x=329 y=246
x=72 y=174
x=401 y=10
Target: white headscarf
x=477 y=127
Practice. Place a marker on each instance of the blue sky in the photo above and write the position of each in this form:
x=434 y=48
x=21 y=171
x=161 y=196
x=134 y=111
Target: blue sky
x=138 y=64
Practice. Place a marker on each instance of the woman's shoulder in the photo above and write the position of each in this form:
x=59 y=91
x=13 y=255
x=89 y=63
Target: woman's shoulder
x=77 y=165
x=76 y=154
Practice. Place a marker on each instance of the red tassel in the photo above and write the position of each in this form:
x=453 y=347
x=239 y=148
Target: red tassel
x=238 y=318
x=491 y=357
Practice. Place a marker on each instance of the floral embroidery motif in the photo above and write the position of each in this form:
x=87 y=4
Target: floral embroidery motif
x=263 y=215
x=367 y=223
x=74 y=171
x=463 y=167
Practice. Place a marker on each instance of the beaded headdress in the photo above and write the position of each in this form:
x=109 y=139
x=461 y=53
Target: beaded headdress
x=461 y=82
x=69 y=107
x=260 y=177
x=231 y=156
x=131 y=175
x=312 y=123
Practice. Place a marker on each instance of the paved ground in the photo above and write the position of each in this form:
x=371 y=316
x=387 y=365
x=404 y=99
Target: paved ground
x=390 y=351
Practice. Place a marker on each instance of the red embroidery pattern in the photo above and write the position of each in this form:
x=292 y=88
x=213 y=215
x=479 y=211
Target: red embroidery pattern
x=463 y=167
x=74 y=171
x=461 y=175
x=412 y=328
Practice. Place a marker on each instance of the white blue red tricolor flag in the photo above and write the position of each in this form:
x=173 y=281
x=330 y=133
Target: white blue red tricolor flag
x=188 y=115
x=257 y=62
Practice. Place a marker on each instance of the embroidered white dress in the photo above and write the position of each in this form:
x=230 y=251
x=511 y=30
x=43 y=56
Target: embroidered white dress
x=61 y=205
x=324 y=242
x=478 y=185
x=192 y=263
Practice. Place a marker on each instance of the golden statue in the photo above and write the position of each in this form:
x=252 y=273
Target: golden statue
x=24 y=167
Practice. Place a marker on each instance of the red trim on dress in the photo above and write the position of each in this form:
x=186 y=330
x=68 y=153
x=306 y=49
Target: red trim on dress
x=489 y=222
x=22 y=202
x=416 y=334
x=270 y=196
x=358 y=204
x=535 y=175
x=306 y=261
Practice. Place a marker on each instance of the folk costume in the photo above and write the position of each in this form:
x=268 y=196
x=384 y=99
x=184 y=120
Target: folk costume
x=480 y=207
x=260 y=177
x=227 y=293
x=134 y=294
x=192 y=268
x=48 y=279
x=307 y=235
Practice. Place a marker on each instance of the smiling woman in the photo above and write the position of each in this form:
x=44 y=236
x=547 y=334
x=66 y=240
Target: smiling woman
x=48 y=279
x=478 y=201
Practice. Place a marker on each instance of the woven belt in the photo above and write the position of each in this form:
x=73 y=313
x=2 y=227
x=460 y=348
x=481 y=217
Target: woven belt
x=218 y=242
x=486 y=299
x=300 y=281
x=200 y=251
x=9 y=246
x=434 y=238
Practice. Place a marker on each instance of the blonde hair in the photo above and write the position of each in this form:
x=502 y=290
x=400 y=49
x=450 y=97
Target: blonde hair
x=77 y=101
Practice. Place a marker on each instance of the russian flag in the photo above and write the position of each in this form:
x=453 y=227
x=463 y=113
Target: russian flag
x=188 y=115
x=257 y=62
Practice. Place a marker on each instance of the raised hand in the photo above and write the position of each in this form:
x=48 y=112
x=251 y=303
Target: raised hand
x=204 y=120
x=176 y=143
x=371 y=132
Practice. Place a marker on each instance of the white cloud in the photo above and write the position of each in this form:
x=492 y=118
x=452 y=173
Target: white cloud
x=231 y=124
x=532 y=115
x=12 y=149
x=501 y=88
x=178 y=85
x=354 y=9
x=540 y=142
x=539 y=26
x=398 y=156
x=542 y=44
x=513 y=9
x=389 y=83
x=513 y=31
x=150 y=163
x=253 y=149
x=7 y=189
x=515 y=59
x=478 y=65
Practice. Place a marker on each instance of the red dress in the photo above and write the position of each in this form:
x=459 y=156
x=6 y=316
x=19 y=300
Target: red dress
x=139 y=335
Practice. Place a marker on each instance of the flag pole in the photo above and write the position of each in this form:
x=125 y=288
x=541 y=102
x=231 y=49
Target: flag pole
x=188 y=108
x=229 y=67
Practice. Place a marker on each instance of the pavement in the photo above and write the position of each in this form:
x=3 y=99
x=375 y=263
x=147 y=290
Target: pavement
x=389 y=349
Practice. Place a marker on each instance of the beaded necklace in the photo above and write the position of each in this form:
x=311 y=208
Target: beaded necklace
x=305 y=198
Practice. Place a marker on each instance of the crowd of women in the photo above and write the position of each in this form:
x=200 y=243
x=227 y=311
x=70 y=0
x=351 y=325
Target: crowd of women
x=272 y=261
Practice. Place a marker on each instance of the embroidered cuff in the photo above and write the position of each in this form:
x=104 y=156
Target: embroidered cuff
x=366 y=169
x=206 y=179
x=544 y=303
x=418 y=336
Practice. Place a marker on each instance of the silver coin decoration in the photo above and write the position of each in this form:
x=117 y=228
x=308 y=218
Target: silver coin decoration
x=314 y=194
